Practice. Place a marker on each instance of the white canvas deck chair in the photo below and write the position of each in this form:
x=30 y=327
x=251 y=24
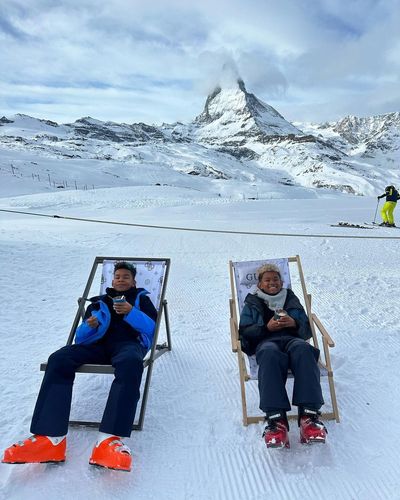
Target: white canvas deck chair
x=152 y=274
x=242 y=278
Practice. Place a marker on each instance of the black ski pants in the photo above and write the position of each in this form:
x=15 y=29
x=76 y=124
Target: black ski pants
x=51 y=414
x=274 y=358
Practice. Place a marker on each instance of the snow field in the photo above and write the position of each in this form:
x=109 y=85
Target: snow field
x=193 y=445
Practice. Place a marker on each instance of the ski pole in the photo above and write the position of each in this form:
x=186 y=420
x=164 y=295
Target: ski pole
x=376 y=211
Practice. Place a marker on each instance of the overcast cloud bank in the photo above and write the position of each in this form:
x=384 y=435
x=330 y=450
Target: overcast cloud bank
x=127 y=61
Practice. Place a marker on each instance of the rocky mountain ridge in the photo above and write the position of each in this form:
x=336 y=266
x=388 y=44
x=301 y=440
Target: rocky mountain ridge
x=375 y=138
x=236 y=136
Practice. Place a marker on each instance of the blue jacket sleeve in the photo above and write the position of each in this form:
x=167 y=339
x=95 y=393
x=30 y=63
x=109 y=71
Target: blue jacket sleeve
x=142 y=318
x=84 y=333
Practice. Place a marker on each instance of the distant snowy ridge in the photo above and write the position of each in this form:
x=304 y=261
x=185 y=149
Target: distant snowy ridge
x=236 y=137
x=374 y=138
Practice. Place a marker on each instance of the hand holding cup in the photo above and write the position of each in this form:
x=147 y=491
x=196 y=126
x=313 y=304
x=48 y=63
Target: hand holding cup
x=121 y=305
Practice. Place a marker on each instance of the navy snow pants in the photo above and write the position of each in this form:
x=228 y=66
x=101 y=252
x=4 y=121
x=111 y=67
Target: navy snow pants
x=274 y=357
x=51 y=414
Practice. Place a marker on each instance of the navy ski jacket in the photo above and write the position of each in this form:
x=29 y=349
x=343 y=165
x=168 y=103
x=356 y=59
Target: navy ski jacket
x=255 y=316
x=391 y=194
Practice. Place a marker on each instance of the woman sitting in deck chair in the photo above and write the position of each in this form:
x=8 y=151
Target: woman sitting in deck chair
x=118 y=330
x=275 y=327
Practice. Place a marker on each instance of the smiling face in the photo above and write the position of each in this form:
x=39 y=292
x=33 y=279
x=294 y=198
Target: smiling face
x=270 y=282
x=123 y=280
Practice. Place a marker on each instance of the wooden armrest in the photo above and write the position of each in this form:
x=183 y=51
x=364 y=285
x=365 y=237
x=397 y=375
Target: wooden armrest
x=323 y=331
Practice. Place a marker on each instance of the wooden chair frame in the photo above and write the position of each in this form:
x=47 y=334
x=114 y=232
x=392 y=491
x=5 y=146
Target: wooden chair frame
x=316 y=327
x=155 y=351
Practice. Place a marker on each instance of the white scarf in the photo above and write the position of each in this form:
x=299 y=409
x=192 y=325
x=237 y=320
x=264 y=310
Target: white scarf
x=274 y=302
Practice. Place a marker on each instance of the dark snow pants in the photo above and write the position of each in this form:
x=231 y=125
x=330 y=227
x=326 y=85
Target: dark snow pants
x=51 y=414
x=274 y=357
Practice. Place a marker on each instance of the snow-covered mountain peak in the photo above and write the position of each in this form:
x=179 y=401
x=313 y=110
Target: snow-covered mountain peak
x=233 y=113
x=88 y=120
x=26 y=121
x=21 y=125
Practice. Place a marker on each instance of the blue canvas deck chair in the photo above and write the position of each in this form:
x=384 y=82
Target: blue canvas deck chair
x=242 y=278
x=152 y=274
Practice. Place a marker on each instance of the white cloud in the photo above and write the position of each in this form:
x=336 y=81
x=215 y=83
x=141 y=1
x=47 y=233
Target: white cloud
x=90 y=57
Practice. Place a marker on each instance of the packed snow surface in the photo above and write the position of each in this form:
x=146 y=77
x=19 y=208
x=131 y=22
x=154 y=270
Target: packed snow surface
x=193 y=445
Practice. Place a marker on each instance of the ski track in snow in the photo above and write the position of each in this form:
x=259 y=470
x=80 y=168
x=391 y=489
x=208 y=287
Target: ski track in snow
x=194 y=445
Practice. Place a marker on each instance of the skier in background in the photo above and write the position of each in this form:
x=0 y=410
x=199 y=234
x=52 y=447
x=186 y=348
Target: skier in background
x=392 y=195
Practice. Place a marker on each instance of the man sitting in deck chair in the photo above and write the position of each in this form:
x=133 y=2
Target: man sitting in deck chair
x=118 y=329
x=274 y=326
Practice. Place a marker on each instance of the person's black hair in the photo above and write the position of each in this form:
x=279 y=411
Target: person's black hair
x=125 y=265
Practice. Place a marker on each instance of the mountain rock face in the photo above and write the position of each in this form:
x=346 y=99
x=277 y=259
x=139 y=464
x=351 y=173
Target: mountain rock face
x=109 y=131
x=232 y=115
x=236 y=136
x=236 y=122
x=373 y=138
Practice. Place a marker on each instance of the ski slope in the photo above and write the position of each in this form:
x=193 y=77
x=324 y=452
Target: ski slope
x=194 y=445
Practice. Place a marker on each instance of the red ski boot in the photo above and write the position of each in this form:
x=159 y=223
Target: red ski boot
x=276 y=432
x=312 y=430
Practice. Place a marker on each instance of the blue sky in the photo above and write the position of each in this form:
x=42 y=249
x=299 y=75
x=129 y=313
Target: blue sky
x=130 y=61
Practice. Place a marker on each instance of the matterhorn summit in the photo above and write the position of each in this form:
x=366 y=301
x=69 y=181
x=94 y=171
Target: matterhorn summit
x=233 y=115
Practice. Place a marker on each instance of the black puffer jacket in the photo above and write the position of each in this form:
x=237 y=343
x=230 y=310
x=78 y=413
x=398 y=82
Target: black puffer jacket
x=255 y=316
x=391 y=194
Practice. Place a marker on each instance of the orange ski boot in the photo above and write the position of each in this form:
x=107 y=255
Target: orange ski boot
x=35 y=449
x=112 y=454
